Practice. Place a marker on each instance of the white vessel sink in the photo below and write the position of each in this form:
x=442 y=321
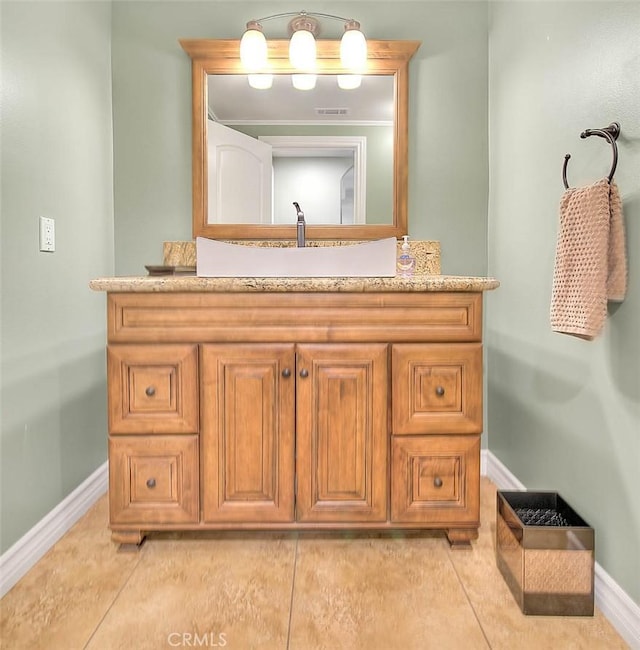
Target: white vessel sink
x=369 y=259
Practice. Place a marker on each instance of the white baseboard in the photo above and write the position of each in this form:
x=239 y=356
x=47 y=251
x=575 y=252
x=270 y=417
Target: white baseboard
x=499 y=473
x=623 y=613
x=22 y=556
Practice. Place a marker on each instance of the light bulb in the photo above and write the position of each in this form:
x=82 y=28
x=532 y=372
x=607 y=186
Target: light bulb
x=253 y=47
x=260 y=81
x=302 y=50
x=353 y=47
x=349 y=81
x=303 y=81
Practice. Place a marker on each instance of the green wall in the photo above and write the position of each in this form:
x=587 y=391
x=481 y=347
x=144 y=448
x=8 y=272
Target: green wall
x=448 y=164
x=57 y=162
x=564 y=414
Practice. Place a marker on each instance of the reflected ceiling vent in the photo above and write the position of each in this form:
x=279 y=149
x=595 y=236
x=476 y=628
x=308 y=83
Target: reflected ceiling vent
x=332 y=111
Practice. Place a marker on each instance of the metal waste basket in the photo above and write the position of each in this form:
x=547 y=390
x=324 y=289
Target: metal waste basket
x=545 y=552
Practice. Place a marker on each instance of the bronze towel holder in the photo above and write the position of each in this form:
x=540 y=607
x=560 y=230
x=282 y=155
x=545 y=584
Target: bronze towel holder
x=610 y=134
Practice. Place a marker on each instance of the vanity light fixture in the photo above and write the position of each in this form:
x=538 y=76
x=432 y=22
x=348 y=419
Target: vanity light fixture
x=253 y=47
x=302 y=46
x=303 y=28
x=353 y=47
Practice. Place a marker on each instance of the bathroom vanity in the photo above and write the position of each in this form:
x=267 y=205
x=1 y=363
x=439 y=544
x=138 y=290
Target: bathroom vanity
x=297 y=403
x=294 y=403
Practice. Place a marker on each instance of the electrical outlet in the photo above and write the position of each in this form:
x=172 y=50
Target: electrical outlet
x=47 y=235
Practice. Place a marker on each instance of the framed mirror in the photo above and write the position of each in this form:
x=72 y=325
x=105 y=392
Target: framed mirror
x=358 y=138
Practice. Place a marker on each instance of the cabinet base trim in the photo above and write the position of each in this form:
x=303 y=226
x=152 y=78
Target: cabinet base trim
x=293 y=527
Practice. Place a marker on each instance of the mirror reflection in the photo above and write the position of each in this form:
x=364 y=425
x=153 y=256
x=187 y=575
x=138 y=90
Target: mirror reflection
x=330 y=149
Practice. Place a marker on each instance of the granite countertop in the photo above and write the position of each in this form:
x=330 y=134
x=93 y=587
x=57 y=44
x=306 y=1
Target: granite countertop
x=191 y=283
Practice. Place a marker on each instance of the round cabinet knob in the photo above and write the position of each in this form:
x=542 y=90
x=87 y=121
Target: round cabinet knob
x=286 y=372
x=151 y=483
x=150 y=391
x=304 y=373
x=439 y=391
x=437 y=482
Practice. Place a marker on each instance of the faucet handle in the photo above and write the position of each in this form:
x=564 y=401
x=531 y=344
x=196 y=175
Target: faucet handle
x=299 y=212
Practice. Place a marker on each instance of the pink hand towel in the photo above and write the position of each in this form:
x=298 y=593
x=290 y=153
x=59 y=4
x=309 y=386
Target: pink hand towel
x=591 y=262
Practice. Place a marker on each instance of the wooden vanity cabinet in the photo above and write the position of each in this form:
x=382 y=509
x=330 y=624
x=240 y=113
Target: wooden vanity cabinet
x=294 y=411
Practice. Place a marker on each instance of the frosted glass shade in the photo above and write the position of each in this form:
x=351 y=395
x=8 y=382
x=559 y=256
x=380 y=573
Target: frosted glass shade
x=260 y=81
x=349 y=81
x=253 y=48
x=303 y=81
x=302 y=50
x=353 y=47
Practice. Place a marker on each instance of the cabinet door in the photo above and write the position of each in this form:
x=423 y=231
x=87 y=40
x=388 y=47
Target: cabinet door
x=247 y=432
x=437 y=388
x=153 y=388
x=341 y=423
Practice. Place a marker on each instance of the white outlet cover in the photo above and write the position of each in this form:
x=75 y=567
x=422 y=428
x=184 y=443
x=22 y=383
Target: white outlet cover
x=47 y=235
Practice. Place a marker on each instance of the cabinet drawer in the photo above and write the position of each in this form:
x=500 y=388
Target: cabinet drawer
x=435 y=479
x=153 y=388
x=437 y=388
x=153 y=479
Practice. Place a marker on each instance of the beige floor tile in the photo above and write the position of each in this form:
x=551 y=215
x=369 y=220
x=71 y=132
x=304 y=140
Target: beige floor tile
x=190 y=590
x=379 y=593
x=59 y=603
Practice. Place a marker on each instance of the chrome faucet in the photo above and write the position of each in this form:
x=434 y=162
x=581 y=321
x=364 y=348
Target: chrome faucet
x=301 y=225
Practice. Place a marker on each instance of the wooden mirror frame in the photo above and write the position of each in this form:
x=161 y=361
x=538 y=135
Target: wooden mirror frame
x=223 y=57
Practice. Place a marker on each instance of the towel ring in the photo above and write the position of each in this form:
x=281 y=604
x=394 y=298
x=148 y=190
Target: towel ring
x=610 y=134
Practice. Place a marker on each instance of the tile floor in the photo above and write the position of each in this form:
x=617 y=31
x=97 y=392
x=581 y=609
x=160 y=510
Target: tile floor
x=279 y=591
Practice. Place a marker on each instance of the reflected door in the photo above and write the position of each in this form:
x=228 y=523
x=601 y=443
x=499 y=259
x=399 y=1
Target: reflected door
x=239 y=176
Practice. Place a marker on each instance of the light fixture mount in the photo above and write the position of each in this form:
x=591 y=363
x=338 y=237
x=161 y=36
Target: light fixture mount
x=351 y=24
x=305 y=22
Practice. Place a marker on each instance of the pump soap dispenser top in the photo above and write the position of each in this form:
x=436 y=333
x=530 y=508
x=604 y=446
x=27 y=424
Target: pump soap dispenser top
x=406 y=262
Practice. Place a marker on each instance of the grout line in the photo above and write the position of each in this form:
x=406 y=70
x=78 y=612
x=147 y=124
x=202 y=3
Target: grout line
x=293 y=584
x=473 y=609
x=115 y=598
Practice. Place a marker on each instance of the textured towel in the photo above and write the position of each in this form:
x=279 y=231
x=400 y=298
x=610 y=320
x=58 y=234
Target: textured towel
x=591 y=263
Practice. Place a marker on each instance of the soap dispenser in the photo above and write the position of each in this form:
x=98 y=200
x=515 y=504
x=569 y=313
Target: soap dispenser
x=406 y=262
